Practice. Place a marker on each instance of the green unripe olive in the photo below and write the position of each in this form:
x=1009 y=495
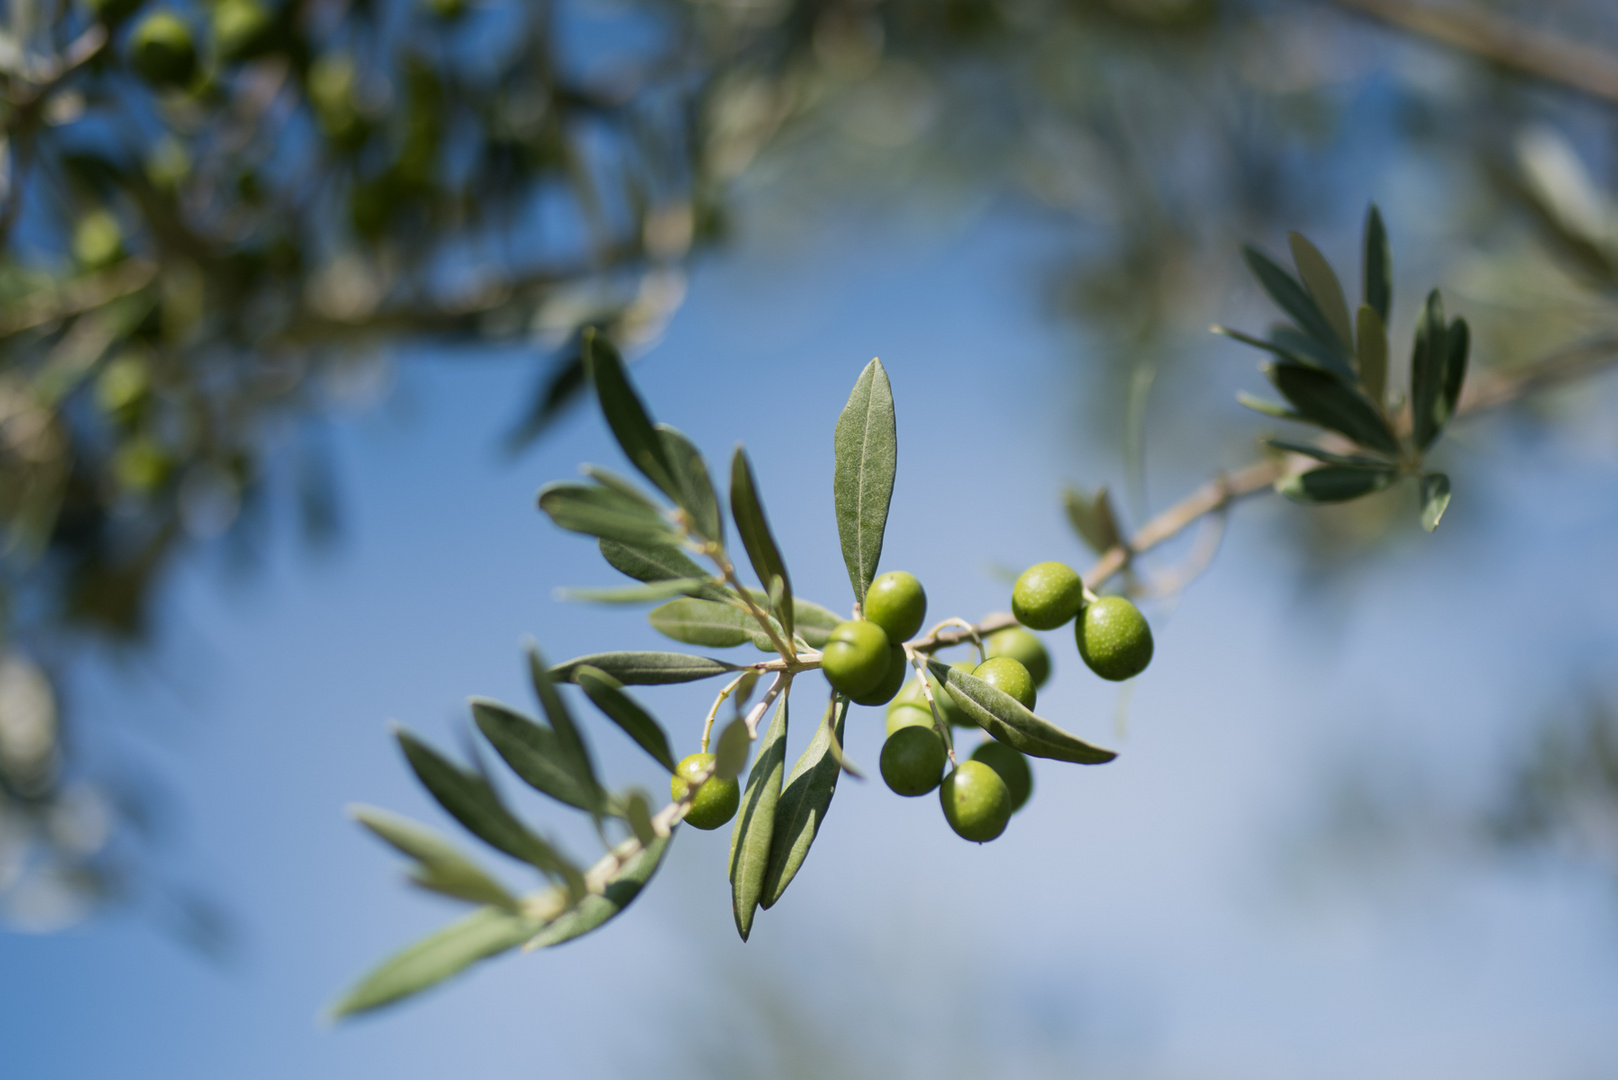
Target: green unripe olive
x=909 y=716
x=716 y=800
x=892 y=679
x=897 y=603
x=913 y=760
x=1024 y=648
x=910 y=694
x=1012 y=767
x=141 y=465
x=242 y=29
x=1047 y=595
x=856 y=656
x=98 y=240
x=1114 y=638
x=123 y=387
x=976 y=801
x=1009 y=677
x=161 y=50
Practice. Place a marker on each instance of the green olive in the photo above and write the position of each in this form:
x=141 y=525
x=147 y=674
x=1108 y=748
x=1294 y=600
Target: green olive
x=976 y=802
x=892 y=679
x=910 y=694
x=1024 y=648
x=716 y=800
x=242 y=29
x=912 y=761
x=897 y=603
x=856 y=657
x=1009 y=677
x=1012 y=767
x=161 y=50
x=1047 y=595
x=1114 y=638
x=910 y=716
x=98 y=240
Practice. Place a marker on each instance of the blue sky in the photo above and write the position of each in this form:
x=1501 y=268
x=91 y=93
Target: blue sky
x=1169 y=915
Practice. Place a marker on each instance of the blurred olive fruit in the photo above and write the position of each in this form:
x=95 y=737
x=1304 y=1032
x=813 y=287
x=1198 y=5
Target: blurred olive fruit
x=1012 y=767
x=447 y=10
x=242 y=29
x=856 y=656
x=161 y=50
x=910 y=716
x=912 y=761
x=113 y=12
x=892 y=679
x=1047 y=595
x=976 y=801
x=946 y=701
x=98 y=240
x=1114 y=638
x=141 y=466
x=910 y=694
x=1024 y=648
x=123 y=387
x=897 y=603
x=716 y=800
x=331 y=86
x=1009 y=677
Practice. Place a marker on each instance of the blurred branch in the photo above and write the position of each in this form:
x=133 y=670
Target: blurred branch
x=1505 y=42
x=76 y=297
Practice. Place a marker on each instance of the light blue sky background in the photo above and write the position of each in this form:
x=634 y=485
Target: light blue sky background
x=1165 y=916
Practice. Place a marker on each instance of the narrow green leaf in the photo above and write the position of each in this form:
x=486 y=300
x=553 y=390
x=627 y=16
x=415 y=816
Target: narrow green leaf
x=596 y=908
x=568 y=736
x=1323 y=286
x=646 y=668
x=440 y=866
x=1004 y=717
x=484 y=933
x=755 y=823
x=813 y=622
x=695 y=489
x=1373 y=356
x=1334 y=483
x=1459 y=341
x=703 y=622
x=470 y=800
x=1378 y=266
x=603 y=512
x=625 y=414
x=649 y=593
x=653 y=563
x=867 y=447
x=608 y=695
x=533 y=752
x=1323 y=399
x=804 y=802
x=730 y=752
x=1291 y=297
x=1434 y=499
x=1092 y=517
x=1320 y=454
x=1427 y=371
x=754 y=528
x=1268 y=408
x=638 y=812
x=622 y=485
x=1294 y=345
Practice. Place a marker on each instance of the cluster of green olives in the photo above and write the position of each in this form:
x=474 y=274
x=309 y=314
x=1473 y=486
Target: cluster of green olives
x=1113 y=637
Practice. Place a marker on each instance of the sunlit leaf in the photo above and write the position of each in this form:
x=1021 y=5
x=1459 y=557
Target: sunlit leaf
x=1378 y=266
x=648 y=593
x=1004 y=717
x=695 y=488
x=703 y=622
x=1325 y=400
x=804 y=801
x=608 y=696
x=658 y=562
x=813 y=623
x=625 y=414
x=1434 y=499
x=867 y=446
x=1093 y=518
x=440 y=865
x=605 y=513
x=596 y=908
x=755 y=823
x=1335 y=483
x=730 y=751
x=534 y=753
x=646 y=668
x=622 y=485
x=568 y=736
x=1268 y=408
x=638 y=812
x=754 y=528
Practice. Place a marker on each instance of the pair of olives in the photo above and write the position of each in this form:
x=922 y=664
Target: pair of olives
x=865 y=658
x=1113 y=636
x=163 y=52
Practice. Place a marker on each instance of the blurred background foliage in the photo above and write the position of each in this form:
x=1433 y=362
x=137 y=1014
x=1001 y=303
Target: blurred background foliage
x=222 y=221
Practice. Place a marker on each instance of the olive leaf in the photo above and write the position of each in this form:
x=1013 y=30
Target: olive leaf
x=622 y=485
x=648 y=593
x=1322 y=285
x=1293 y=299
x=704 y=622
x=754 y=528
x=596 y=908
x=603 y=512
x=1322 y=399
x=440 y=866
x=654 y=563
x=533 y=752
x=695 y=489
x=1378 y=267
x=1373 y=355
x=730 y=752
x=568 y=737
x=1093 y=518
x=867 y=456
x=1434 y=499
x=1427 y=372
x=1459 y=340
x=1335 y=483
x=804 y=801
x=646 y=668
x=625 y=414
x=1004 y=717
x=608 y=695
x=1267 y=408
x=813 y=623
x=638 y=812
x=1319 y=454
x=755 y=823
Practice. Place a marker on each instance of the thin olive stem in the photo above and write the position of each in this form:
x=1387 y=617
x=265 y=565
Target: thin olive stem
x=730 y=688
x=940 y=725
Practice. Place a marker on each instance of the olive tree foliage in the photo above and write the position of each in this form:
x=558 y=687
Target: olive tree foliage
x=220 y=218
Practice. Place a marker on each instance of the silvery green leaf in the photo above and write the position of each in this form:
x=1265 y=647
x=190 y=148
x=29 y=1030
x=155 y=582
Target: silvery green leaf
x=1373 y=355
x=704 y=622
x=568 y=737
x=638 y=812
x=533 y=752
x=755 y=822
x=695 y=489
x=1378 y=266
x=625 y=414
x=646 y=668
x=804 y=801
x=762 y=550
x=730 y=752
x=1268 y=408
x=596 y=908
x=1434 y=499
x=867 y=448
x=622 y=485
x=649 y=593
x=440 y=866
x=608 y=695
x=813 y=623
x=659 y=562
x=1004 y=717
x=605 y=513
x=1427 y=372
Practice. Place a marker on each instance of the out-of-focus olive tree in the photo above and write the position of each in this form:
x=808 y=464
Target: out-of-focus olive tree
x=219 y=219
